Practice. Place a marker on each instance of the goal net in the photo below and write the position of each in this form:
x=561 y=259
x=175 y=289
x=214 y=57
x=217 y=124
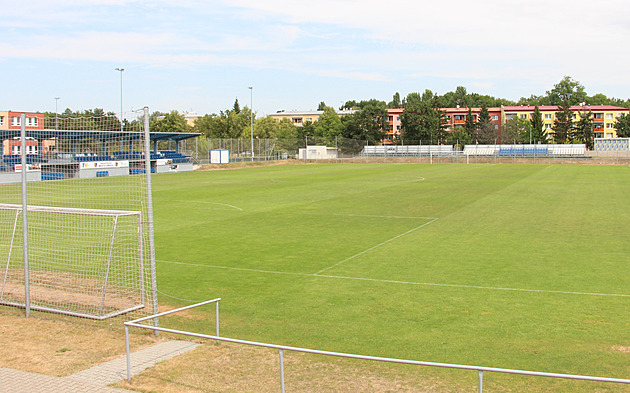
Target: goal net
x=79 y=240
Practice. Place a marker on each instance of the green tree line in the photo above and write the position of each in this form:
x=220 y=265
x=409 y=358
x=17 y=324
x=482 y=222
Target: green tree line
x=423 y=121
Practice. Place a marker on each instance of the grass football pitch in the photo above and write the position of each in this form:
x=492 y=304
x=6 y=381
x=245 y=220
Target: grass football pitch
x=512 y=266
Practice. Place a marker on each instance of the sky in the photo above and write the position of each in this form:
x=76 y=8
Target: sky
x=199 y=56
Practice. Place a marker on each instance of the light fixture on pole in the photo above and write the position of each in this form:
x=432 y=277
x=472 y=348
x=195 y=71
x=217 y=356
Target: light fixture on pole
x=56 y=111
x=121 y=97
x=251 y=117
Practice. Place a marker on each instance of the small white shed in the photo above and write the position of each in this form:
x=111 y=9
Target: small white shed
x=219 y=156
x=317 y=153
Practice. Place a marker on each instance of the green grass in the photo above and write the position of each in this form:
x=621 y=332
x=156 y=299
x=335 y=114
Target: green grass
x=513 y=266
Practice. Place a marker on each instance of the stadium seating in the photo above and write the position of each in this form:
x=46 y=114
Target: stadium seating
x=572 y=150
x=92 y=158
x=406 y=150
x=52 y=176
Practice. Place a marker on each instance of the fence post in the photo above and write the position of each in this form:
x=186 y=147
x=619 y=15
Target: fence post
x=480 y=381
x=217 y=320
x=281 y=371
x=128 y=353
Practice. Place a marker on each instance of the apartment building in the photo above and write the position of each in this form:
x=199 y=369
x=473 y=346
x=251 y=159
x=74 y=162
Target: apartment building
x=299 y=118
x=10 y=120
x=604 y=117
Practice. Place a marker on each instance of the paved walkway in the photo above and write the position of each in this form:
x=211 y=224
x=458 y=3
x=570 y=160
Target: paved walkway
x=94 y=379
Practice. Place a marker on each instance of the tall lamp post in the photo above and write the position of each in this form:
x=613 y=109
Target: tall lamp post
x=251 y=116
x=121 y=97
x=56 y=112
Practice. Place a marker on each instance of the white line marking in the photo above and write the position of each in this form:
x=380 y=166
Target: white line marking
x=368 y=216
x=399 y=282
x=376 y=246
x=211 y=203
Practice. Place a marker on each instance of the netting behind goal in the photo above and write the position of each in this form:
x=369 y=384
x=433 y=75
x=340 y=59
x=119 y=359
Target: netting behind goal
x=89 y=242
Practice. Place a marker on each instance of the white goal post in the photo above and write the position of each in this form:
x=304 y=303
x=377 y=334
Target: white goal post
x=82 y=262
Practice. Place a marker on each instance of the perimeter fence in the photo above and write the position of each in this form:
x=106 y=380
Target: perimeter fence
x=343 y=150
x=137 y=323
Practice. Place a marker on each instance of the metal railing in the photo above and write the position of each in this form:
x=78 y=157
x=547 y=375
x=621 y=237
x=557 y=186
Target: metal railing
x=281 y=348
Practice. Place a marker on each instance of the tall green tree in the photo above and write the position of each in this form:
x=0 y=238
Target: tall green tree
x=367 y=123
x=622 y=125
x=583 y=130
x=470 y=125
x=537 y=126
x=563 y=124
x=328 y=125
x=395 y=102
x=286 y=129
x=236 y=108
x=266 y=127
x=172 y=122
x=422 y=121
x=486 y=131
x=568 y=91
x=516 y=130
x=227 y=124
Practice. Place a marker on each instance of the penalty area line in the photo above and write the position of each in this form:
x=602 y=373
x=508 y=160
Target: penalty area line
x=376 y=246
x=398 y=282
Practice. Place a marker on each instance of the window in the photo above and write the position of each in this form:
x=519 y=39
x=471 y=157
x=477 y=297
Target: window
x=609 y=115
x=547 y=116
x=390 y=118
x=511 y=116
x=547 y=126
x=610 y=125
x=495 y=117
x=523 y=116
x=1 y=120
x=309 y=119
x=398 y=128
x=297 y=120
x=397 y=118
x=31 y=122
x=598 y=116
x=15 y=121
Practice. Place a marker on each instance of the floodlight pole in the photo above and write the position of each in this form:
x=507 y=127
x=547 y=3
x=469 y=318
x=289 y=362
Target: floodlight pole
x=251 y=116
x=121 y=97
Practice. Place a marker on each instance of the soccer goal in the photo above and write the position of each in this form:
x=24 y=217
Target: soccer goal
x=76 y=218
x=93 y=268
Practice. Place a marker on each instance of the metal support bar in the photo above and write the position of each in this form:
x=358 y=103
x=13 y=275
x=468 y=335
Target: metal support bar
x=128 y=353
x=281 y=371
x=149 y=218
x=27 y=277
x=479 y=369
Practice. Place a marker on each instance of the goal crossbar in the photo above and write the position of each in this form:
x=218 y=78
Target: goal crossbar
x=70 y=210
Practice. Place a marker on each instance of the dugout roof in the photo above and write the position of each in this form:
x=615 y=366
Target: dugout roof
x=98 y=135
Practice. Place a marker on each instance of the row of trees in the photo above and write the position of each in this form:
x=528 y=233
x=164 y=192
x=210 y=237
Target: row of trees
x=422 y=120
x=367 y=123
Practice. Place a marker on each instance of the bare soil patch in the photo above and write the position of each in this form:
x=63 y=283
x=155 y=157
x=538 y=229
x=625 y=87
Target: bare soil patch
x=246 y=164
x=60 y=346
x=236 y=368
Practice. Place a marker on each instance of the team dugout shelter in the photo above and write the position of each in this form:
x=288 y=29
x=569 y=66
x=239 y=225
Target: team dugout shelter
x=58 y=155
